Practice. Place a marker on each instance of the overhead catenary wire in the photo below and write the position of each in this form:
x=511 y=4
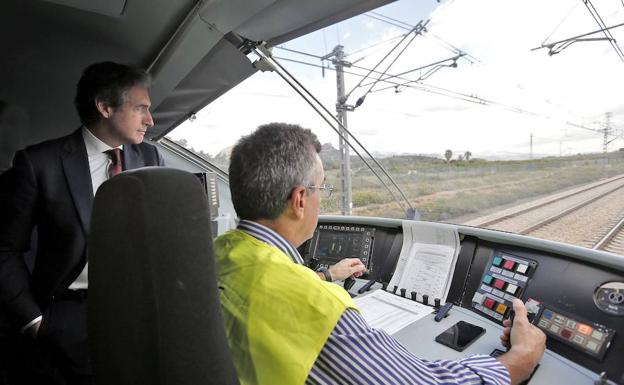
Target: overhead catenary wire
x=299 y=52
x=430 y=89
x=561 y=22
x=388 y=22
x=409 y=83
x=377 y=44
x=570 y=40
x=415 y=35
x=418 y=26
x=594 y=12
x=408 y=26
x=264 y=53
x=439 y=62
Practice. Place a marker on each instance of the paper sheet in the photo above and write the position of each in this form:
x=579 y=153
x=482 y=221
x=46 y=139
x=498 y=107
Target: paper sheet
x=427 y=260
x=389 y=312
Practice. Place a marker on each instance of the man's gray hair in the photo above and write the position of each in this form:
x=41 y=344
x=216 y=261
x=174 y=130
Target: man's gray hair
x=266 y=165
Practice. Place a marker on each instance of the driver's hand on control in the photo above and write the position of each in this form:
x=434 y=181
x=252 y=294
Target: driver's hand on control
x=527 y=344
x=346 y=268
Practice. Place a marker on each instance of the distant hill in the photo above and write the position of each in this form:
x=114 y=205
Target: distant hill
x=331 y=158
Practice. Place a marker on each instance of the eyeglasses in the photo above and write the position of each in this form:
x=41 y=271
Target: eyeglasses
x=326 y=188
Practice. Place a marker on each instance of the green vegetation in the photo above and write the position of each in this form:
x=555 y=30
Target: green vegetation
x=445 y=191
x=451 y=189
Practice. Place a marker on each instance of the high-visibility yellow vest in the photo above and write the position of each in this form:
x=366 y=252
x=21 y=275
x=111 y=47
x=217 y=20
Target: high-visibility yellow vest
x=277 y=314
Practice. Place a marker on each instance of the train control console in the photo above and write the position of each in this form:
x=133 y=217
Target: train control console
x=574 y=295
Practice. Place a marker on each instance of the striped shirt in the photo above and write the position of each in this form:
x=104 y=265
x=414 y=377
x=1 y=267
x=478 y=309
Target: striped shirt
x=356 y=354
x=271 y=237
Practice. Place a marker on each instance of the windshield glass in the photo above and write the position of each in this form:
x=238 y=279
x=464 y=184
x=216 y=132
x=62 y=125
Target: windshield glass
x=504 y=115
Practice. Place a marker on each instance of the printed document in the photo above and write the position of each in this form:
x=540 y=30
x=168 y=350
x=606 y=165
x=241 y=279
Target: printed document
x=389 y=312
x=427 y=260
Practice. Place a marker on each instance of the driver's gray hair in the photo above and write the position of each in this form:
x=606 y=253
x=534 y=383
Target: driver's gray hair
x=267 y=164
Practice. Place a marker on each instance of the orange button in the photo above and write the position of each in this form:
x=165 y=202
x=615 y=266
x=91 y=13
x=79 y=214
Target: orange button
x=501 y=308
x=585 y=329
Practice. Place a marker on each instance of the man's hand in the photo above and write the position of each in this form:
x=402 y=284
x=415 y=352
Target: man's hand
x=527 y=344
x=346 y=268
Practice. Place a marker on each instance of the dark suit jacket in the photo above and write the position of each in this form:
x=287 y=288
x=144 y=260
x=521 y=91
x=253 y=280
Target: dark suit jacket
x=49 y=187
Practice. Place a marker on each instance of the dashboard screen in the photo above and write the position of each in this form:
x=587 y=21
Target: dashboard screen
x=331 y=244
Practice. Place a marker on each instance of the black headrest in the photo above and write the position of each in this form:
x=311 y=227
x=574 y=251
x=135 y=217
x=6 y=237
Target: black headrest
x=154 y=315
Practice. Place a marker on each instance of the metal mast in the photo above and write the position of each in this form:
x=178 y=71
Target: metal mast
x=606 y=132
x=337 y=58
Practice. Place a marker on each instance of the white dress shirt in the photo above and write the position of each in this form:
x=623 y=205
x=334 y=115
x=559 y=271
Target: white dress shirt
x=99 y=162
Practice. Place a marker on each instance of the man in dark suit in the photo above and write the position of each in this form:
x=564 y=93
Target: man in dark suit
x=51 y=187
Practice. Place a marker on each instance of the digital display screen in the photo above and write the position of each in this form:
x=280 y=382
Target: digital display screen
x=331 y=244
x=334 y=246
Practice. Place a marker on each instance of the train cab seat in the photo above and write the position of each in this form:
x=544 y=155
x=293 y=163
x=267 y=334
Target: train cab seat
x=154 y=315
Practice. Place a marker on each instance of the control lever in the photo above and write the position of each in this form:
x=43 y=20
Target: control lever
x=348 y=283
x=532 y=307
x=443 y=312
x=366 y=287
x=512 y=315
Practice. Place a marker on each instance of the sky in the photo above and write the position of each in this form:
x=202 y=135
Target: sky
x=514 y=93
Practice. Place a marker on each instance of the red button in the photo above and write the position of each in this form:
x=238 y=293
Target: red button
x=566 y=333
x=499 y=284
x=585 y=329
x=509 y=265
x=489 y=303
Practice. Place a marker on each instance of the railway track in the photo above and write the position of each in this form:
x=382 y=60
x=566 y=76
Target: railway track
x=569 y=211
x=529 y=217
x=590 y=217
x=613 y=241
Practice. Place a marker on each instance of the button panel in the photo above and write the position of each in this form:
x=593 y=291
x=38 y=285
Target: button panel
x=591 y=338
x=505 y=278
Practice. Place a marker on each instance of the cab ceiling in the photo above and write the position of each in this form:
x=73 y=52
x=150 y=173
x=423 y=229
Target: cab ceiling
x=47 y=43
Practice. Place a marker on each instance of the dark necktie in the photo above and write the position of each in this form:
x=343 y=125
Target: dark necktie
x=115 y=167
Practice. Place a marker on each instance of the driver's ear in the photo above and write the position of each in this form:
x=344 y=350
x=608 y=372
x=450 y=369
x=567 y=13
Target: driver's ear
x=297 y=201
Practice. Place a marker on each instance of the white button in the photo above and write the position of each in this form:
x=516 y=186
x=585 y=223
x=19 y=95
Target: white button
x=597 y=335
x=511 y=288
x=578 y=339
x=522 y=268
x=478 y=298
x=591 y=345
x=554 y=328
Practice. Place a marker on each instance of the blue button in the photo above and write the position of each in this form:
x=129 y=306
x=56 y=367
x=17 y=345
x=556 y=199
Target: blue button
x=487 y=279
x=547 y=314
x=497 y=261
